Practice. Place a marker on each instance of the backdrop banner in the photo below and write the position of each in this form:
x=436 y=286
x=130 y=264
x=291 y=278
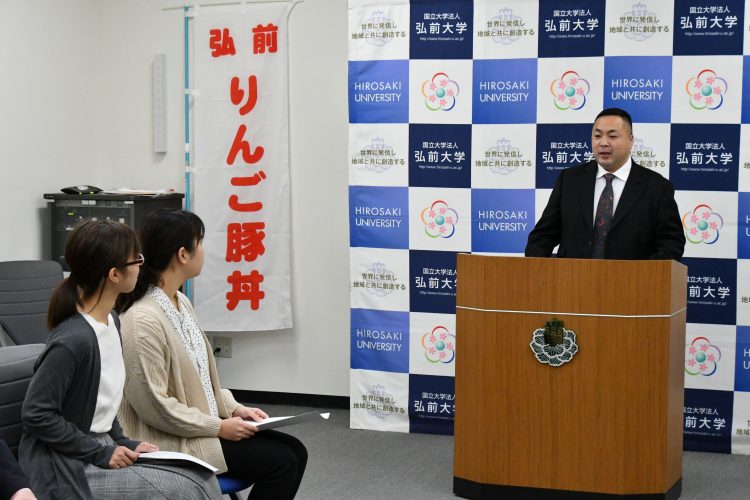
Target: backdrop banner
x=462 y=114
x=242 y=168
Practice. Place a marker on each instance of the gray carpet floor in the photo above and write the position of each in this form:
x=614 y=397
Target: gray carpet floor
x=347 y=464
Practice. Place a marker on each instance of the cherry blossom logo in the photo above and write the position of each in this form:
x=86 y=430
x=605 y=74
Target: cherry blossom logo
x=706 y=90
x=701 y=357
x=570 y=91
x=439 y=345
x=702 y=225
x=439 y=220
x=440 y=92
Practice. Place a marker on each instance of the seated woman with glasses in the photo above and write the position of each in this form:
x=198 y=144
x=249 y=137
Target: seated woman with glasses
x=72 y=444
x=172 y=394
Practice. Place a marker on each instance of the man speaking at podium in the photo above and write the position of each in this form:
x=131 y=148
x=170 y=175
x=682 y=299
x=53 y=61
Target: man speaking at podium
x=610 y=208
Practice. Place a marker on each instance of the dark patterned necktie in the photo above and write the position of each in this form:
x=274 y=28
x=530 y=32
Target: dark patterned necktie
x=603 y=219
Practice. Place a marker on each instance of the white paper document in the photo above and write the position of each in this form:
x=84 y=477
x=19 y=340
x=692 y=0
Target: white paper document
x=142 y=192
x=273 y=422
x=176 y=455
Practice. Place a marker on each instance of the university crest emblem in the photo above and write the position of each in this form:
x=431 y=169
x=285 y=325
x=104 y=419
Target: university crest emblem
x=554 y=345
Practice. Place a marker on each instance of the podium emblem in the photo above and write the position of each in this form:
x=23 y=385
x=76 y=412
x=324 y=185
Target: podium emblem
x=554 y=345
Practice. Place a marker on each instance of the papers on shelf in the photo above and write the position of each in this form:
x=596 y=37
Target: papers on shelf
x=141 y=192
x=273 y=422
x=174 y=455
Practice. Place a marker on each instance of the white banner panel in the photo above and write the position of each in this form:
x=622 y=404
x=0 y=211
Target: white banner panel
x=242 y=168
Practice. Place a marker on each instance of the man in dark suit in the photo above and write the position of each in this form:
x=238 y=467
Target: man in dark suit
x=611 y=208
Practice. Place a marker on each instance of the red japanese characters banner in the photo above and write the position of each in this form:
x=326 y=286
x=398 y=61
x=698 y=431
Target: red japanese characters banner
x=242 y=168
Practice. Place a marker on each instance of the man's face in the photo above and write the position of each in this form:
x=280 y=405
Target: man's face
x=611 y=142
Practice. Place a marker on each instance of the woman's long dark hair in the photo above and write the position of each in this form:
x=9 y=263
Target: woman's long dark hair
x=91 y=250
x=163 y=233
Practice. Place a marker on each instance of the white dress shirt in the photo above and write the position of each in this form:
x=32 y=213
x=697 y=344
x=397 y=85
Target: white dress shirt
x=112 y=376
x=618 y=184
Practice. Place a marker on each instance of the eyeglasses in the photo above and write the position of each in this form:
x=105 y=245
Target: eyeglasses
x=137 y=262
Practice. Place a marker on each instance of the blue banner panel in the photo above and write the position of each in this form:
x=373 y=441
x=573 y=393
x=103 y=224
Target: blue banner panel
x=571 y=28
x=746 y=89
x=742 y=365
x=380 y=340
x=378 y=91
x=707 y=420
x=379 y=217
x=501 y=219
x=705 y=157
x=559 y=147
x=431 y=404
x=504 y=91
x=440 y=155
x=708 y=28
x=441 y=29
x=433 y=281
x=712 y=291
x=743 y=226
x=641 y=85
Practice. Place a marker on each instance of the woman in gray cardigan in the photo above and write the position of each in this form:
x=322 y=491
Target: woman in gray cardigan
x=172 y=393
x=72 y=444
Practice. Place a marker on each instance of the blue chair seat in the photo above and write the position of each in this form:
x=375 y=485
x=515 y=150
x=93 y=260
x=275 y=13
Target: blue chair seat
x=230 y=485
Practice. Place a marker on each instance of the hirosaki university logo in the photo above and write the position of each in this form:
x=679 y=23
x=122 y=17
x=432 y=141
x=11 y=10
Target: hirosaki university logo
x=701 y=357
x=639 y=23
x=706 y=90
x=702 y=225
x=440 y=220
x=380 y=403
x=379 y=280
x=570 y=91
x=379 y=29
x=377 y=156
x=504 y=158
x=439 y=345
x=506 y=28
x=440 y=92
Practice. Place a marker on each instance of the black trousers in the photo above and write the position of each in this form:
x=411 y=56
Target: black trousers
x=275 y=462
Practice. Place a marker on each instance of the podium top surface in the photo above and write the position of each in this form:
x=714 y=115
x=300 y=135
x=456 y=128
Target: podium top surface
x=628 y=288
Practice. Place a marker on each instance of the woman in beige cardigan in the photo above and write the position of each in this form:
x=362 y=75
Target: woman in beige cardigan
x=172 y=393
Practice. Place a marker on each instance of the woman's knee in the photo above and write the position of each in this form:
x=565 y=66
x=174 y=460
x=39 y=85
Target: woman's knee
x=299 y=449
x=285 y=460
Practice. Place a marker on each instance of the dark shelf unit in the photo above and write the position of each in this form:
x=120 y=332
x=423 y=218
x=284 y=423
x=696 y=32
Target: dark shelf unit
x=65 y=211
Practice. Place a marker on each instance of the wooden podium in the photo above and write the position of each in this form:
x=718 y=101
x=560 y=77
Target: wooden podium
x=607 y=423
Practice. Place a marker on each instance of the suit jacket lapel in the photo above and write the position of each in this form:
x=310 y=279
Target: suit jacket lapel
x=633 y=189
x=586 y=193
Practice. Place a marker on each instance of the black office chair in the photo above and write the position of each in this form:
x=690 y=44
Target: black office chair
x=25 y=290
x=16 y=370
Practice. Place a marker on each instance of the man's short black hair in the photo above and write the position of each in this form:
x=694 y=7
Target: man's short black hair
x=617 y=112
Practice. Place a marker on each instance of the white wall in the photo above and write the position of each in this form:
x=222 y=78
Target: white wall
x=75 y=106
x=47 y=131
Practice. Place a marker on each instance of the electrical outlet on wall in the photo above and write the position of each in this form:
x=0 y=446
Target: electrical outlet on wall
x=224 y=346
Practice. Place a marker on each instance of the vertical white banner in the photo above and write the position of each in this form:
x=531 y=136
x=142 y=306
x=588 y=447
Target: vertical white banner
x=242 y=168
